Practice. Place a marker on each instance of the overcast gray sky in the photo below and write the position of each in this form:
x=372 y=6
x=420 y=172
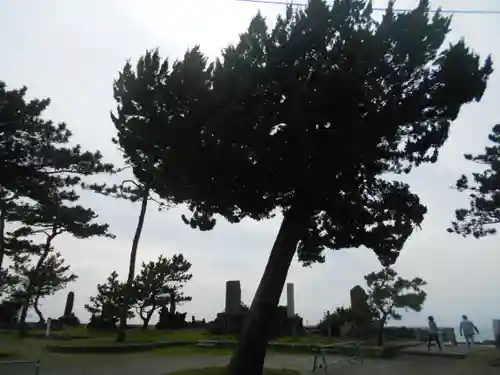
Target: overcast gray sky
x=71 y=51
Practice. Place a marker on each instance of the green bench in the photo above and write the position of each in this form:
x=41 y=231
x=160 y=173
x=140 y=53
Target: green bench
x=19 y=367
x=320 y=353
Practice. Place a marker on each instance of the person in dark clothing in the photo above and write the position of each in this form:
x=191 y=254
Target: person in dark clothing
x=433 y=334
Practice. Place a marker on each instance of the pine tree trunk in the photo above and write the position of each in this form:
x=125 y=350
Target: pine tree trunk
x=248 y=359
x=120 y=337
x=173 y=305
x=145 y=322
x=380 y=339
x=32 y=283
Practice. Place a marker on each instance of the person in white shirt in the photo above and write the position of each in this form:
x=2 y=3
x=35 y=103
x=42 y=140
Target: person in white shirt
x=468 y=330
x=433 y=334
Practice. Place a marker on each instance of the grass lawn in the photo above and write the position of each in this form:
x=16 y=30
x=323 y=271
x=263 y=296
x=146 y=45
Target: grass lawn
x=34 y=346
x=223 y=371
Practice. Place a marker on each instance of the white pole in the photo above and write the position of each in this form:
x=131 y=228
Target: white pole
x=47 y=328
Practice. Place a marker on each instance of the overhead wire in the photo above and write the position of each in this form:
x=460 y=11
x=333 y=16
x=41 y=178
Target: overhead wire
x=443 y=11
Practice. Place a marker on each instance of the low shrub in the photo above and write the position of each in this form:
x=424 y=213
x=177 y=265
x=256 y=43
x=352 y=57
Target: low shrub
x=170 y=320
x=100 y=323
x=70 y=320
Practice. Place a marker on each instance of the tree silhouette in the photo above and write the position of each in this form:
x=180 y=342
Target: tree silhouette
x=142 y=164
x=53 y=217
x=309 y=119
x=108 y=301
x=389 y=292
x=483 y=214
x=163 y=276
x=36 y=158
x=51 y=275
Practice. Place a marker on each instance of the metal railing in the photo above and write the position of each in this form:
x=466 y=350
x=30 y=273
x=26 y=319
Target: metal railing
x=19 y=367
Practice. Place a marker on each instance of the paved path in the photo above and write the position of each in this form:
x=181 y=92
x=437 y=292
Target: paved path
x=150 y=364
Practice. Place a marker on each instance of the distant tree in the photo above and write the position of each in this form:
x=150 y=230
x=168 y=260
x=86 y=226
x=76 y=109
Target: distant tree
x=108 y=301
x=388 y=293
x=55 y=216
x=332 y=321
x=51 y=276
x=143 y=165
x=164 y=276
x=10 y=284
x=483 y=214
x=309 y=119
x=36 y=157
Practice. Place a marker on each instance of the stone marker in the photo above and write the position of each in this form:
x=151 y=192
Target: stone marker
x=360 y=311
x=70 y=301
x=496 y=332
x=233 y=297
x=290 y=300
x=47 y=327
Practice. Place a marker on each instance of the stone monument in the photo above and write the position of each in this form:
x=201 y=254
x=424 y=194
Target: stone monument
x=48 y=327
x=230 y=321
x=233 y=297
x=70 y=301
x=361 y=312
x=496 y=332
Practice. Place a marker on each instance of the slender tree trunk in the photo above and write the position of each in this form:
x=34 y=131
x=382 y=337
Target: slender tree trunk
x=37 y=309
x=131 y=269
x=32 y=283
x=173 y=304
x=380 y=339
x=248 y=359
x=146 y=319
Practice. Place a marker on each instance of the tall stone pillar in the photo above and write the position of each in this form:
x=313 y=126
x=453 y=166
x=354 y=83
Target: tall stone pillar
x=233 y=297
x=496 y=332
x=290 y=300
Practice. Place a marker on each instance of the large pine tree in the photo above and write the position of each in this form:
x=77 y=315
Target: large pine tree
x=308 y=118
x=37 y=158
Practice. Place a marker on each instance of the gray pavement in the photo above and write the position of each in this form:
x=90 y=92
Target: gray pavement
x=151 y=364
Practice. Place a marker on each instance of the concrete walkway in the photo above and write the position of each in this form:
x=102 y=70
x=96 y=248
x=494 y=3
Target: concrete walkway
x=152 y=364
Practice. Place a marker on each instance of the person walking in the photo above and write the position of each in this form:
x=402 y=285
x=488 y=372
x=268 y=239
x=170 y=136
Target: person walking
x=468 y=330
x=433 y=334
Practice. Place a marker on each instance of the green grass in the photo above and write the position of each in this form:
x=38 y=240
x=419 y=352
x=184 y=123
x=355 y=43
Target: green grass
x=223 y=371
x=35 y=347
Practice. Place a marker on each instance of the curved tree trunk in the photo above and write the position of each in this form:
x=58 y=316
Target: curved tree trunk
x=380 y=338
x=173 y=303
x=32 y=283
x=248 y=359
x=131 y=269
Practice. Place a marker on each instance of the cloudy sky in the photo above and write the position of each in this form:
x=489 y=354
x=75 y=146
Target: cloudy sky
x=71 y=51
